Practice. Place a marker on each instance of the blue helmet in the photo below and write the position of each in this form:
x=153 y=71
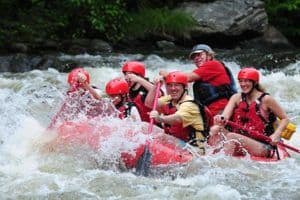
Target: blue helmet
x=201 y=47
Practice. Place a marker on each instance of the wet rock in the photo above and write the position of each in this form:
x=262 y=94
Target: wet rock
x=19 y=48
x=227 y=19
x=166 y=46
x=97 y=45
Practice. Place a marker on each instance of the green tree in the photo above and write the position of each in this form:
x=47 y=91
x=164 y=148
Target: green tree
x=285 y=15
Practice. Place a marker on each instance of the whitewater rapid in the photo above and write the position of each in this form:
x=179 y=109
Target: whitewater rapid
x=29 y=100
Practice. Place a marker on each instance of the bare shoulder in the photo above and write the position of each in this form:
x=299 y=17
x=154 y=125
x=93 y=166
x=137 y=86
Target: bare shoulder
x=269 y=102
x=234 y=100
x=236 y=97
x=268 y=99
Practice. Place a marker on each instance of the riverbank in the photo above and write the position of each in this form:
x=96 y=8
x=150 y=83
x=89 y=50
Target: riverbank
x=270 y=59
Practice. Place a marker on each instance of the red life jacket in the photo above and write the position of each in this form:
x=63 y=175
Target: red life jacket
x=250 y=117
x=177 y=130
x=138 y=97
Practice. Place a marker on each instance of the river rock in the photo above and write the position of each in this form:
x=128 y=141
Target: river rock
x=227 y=18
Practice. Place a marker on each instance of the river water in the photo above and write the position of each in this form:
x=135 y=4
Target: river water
x=29 y=100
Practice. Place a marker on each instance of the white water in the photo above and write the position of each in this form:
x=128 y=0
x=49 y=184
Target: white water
x=29 y=100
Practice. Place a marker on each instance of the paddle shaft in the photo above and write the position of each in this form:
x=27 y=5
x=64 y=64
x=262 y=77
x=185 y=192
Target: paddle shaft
x=157 y=91
x=144 y=162
x=260 y=137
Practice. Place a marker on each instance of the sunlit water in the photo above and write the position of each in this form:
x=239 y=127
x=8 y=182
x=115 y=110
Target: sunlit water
x=29 y=100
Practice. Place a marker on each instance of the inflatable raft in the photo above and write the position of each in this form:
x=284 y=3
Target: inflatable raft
x=162 y=149
x=137 y=148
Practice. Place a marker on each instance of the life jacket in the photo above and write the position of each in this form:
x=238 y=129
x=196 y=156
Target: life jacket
x=250 y=117
x=187 y=134
x=206 y=93
x=125 y=109
x=177 y=130
x=207 y=117
x=138 y=97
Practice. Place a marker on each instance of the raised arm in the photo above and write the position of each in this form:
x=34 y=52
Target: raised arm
x=150 y=98
x=140 y=80
x=274 y=106
x=191 y=75
x=228 y=110
x=92 y=91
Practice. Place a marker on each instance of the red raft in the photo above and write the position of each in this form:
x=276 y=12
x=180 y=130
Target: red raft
x=163 y=149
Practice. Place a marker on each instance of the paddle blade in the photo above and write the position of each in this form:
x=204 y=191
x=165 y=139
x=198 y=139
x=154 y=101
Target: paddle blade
x=144 y=163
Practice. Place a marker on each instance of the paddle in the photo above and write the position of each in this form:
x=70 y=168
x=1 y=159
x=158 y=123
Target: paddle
x=157 y=91
x=260 y=137
x=144 y=162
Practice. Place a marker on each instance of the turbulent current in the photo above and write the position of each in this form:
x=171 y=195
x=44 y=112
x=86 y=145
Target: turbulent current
x=28 y=170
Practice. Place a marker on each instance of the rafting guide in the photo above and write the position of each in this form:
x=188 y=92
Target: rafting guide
x=213 y=81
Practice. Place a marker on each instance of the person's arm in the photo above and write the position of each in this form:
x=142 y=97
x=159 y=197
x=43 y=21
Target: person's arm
x=93 y=92
x=151 y=94
x=228 y=110
x=163 y=73
x=86 y=86
x=140 y=80
x=272 y=105
x=192 y=76
x=167 y=119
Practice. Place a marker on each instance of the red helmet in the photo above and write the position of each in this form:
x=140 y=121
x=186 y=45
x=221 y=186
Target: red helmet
x=249 y=73
x=73 y=76
x=176 y=77
x=117 y=86
x=134 y=67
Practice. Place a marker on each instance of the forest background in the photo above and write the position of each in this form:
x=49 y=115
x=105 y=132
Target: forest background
x=117 y=21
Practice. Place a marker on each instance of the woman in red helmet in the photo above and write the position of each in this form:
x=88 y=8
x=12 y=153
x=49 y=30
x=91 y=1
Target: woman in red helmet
x=177 y=111
x=254 y=110
x=139 y=86
x=118 y=89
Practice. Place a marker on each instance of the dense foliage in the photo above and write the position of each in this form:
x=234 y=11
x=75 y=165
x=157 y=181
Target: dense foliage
x=59 y=19
x=160 y=21
x=112 y=20
x=55 y=19
x=285 y=15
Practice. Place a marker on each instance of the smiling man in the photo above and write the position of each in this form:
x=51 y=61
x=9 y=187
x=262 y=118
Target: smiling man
x=213 y=81
x=179 y=114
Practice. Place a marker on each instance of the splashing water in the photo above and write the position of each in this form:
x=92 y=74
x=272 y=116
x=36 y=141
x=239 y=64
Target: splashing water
x=28 y=101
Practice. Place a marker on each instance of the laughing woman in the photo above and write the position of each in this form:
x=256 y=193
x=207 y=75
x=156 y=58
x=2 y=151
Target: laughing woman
x=255 y=111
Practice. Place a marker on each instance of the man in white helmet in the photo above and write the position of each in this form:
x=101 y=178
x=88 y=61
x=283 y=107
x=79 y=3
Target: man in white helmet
x=213 y=82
